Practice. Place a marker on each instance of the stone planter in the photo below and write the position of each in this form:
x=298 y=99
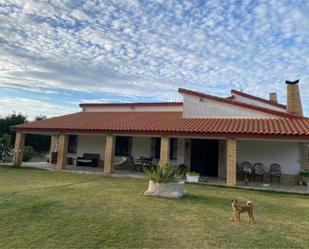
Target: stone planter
x=192 y=178
x=166 y=189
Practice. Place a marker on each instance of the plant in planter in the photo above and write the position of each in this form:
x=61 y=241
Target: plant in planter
x=304 y=177
x=193 y=177
x=163 y=182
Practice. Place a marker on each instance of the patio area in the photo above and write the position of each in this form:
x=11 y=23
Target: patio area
x=212 y=181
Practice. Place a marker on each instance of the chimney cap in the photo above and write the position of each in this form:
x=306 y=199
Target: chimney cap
x=291 y=82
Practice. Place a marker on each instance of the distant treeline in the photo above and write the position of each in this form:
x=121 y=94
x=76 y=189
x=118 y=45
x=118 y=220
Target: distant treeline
x=39 y=143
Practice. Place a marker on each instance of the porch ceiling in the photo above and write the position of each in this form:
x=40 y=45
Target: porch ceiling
x=169 y=123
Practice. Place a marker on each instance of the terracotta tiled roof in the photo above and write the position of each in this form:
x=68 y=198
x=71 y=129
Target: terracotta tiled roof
x=169 y=123
x=231 y=101
x=246 y=95
x=151 y=104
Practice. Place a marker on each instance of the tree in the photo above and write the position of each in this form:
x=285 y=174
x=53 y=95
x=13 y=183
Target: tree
x=13 y=119
x=39 y=143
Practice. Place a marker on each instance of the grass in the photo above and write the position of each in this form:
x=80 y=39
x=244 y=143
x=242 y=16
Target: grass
x=43 y=209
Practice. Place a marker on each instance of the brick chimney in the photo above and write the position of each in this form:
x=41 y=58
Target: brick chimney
x=293 y=98
x=273 y=97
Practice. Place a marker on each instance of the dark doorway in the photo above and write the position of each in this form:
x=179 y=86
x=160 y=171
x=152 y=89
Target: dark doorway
x=204 y=156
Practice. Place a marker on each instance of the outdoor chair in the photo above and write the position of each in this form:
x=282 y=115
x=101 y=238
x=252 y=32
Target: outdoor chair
x=247 y=170
x=142 y=163
x=259 y=171
x=275 y=172
x=120 y=162
x=88 y=159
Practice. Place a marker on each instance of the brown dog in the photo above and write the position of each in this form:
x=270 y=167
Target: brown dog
x=238 y=209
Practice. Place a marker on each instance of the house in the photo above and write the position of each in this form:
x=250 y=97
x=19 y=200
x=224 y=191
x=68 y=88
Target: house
x=210 y=135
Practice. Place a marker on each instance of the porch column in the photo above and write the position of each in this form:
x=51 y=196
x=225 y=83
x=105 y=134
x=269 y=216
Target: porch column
x=62 y=151
x=18 y=149
x=231 y=161
x=164 y=151
x=109 y=153
x=222 y=159
x=53 y=142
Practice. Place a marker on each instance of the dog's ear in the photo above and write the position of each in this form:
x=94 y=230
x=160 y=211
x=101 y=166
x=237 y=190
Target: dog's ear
x=232 y=200
x=236 y=201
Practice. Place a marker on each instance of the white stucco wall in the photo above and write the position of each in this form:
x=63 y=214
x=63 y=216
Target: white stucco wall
x=93 y=144
x=141 y=146
x=257 y=103
x=193 y=107
x=180 y=152
x=284 y=153
x=134 y=109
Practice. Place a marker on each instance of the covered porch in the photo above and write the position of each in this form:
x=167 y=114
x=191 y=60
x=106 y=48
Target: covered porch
x=214 y=158
x=164 y=149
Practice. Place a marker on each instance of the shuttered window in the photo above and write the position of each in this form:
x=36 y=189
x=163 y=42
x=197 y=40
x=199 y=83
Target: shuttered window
x=173 y=148
x=155 y=147
x=72 y=147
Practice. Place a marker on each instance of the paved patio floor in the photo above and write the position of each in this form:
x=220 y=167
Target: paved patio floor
x=213 y=181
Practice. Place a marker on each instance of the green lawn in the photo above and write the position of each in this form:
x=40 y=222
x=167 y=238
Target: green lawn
x=42 y=209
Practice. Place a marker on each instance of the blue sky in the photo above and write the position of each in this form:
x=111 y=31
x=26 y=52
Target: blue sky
x=56 y=54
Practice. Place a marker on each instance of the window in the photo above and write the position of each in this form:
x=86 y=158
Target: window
x=155 y=147
x=72 y=147
x=123 y=146
x=173 y=148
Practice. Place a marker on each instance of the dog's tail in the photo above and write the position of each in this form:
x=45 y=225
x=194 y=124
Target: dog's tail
x=249 y=203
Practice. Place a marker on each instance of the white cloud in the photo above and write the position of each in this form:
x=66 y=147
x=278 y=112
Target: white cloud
x=32 y=107
x=137 y=49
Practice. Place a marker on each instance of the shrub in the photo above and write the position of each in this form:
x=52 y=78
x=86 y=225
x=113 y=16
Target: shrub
x=5 y=147
x=28 y=152
x=161 y=174
x=193 y=174
x=304 y=173
x=182 y=170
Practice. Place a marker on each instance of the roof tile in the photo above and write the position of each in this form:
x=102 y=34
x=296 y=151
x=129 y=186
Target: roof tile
x=167 y=122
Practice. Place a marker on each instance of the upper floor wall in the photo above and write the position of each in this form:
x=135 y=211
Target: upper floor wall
x=198 y=107
x=134 y=107
x=243 y=98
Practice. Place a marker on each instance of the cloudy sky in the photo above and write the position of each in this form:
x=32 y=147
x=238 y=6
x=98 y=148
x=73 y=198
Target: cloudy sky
x=57 y=53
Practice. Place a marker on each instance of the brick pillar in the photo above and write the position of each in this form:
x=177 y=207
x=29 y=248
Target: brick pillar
x=109 y=153
x=18 y=149
x=304 y=156
x=293 y=100
x=53 y=143
x=222 y=159
x=62 y=151
x=231 y=161
x=164 y=151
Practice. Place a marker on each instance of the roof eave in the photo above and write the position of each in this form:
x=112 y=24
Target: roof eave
x=246 y=95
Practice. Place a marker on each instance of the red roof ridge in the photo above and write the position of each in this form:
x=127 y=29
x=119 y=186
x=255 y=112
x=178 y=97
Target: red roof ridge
x=237 y=103
x=246 y=95
x=128 y=104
